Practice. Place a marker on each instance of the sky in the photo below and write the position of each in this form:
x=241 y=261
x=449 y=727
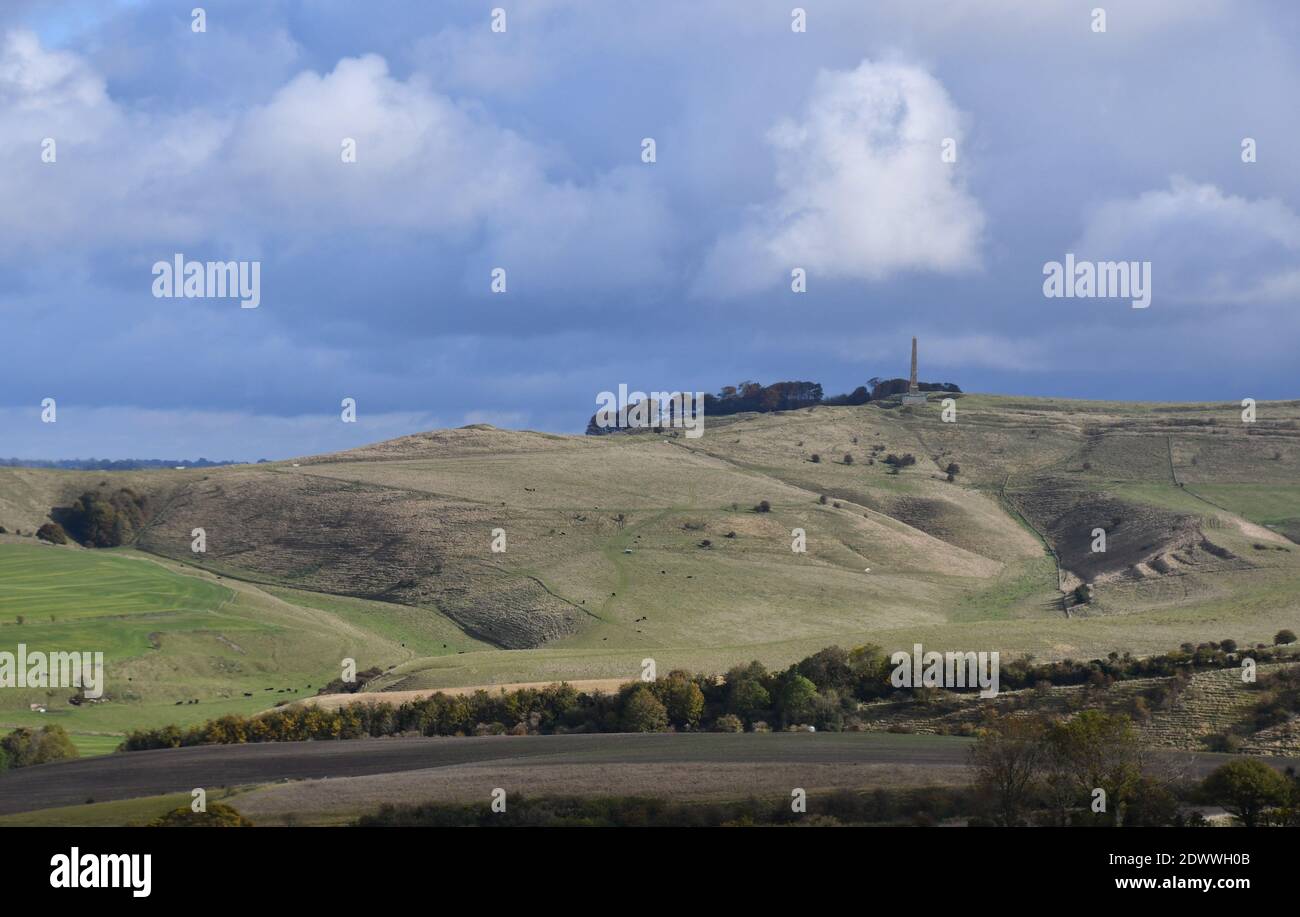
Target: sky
x=919 y=162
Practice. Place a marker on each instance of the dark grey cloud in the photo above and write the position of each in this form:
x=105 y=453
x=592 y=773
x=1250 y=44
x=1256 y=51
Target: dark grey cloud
x=478 y=150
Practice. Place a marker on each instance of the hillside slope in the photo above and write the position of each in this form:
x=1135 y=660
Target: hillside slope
x=619 y=545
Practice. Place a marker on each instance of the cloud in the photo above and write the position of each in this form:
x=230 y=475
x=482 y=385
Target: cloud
x=132 y=432
x=1206 y=247
x=862 y=190
x=236 y=183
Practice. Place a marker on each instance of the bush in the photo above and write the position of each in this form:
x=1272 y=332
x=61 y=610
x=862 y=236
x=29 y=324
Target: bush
x=1247 y=789
x=763 y=507
x=218 y=815
x=53 y=533
x=1284 y=637
x=25 y=747
x=99 y=519
x=642 y=711
x=816 y=459
x=728 y=722
x=848 y=458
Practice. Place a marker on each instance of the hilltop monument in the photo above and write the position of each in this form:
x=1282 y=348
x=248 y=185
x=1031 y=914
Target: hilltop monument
x=914 y=395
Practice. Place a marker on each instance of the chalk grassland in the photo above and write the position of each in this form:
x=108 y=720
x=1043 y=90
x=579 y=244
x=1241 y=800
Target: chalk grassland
x=383 y=553
x=169 y=636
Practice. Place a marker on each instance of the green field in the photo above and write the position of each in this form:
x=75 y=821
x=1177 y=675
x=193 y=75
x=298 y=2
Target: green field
x=1271 y=505
x=120 y=813
x=169 y=635
x=44 y=584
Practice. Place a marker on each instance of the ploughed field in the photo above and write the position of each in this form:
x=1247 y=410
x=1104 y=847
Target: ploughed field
x=333 y=782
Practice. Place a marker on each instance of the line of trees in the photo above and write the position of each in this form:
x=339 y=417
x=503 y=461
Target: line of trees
x=755 y=397
x=824 y=690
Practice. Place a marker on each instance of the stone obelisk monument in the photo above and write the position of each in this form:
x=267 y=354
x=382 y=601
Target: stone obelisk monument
x=914 y=394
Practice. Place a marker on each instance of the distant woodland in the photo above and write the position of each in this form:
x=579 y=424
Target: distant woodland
x=791 y=396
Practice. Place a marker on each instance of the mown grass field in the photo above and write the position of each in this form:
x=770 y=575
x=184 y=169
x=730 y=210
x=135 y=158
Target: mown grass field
x=172 y=635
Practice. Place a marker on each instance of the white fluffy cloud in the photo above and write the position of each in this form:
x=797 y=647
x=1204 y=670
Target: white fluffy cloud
x=1205 y=246
x=143 y=179
x=862 y=191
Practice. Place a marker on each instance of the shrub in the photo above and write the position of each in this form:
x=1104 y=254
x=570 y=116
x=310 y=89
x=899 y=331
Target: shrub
x=822 y=499
x=848 y=458
x=218 y=815
x=815 y=459
x=763 y=507
x=25 y=747
x=53 y=533
x=643 y=712
x=728 y=722
x=1283 y=637
x=1247 y=789
x=99 y=519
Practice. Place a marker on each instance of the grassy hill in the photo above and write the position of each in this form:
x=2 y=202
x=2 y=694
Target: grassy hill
x=624 y=547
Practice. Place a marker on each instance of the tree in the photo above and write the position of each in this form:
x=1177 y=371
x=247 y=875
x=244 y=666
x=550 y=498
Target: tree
x=1247 y=789
x=1092 y=751
x=747 y=695
x=99 y=519
x=53 y=533
x=1283 y=637
x=1151 y=806
x=25 y=747
x=829 y=669
x=682 y=698
x=848 y=458
x=642 y=711
x=796 y=697
x=1008 y=758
